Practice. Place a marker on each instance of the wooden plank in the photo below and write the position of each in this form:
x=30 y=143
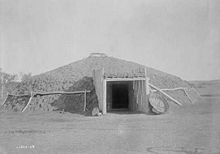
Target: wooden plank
x=140 y=91
x=179 y=88
x=147 y=89
x=124 y=79
x=23 y=95
x=51 y=93
x=138 y=98
x=59 y=92
x=165 y=94
x=139 y=94
x=84 y=108
x=104 y=111
x=98 y=79
x=172 y=89
x=135 y=92
x=141 y=97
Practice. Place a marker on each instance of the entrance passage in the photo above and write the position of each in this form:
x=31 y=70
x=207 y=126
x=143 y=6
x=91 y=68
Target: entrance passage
x=120 y=96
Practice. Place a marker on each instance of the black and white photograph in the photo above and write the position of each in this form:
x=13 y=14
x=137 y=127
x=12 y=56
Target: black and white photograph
x=109 y=76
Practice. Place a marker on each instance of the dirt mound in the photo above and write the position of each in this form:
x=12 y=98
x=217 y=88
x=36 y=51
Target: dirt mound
x=75 y=103
x=15 y=104
x=69 y=103
x=6 y=88
x=71 y=77
x=114 y=66
x=84 y=67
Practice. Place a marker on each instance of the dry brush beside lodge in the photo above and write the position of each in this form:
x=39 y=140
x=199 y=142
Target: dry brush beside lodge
x=114 y=84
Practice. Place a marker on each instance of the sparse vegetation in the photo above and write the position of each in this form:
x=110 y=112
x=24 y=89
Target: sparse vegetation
x=7 y=84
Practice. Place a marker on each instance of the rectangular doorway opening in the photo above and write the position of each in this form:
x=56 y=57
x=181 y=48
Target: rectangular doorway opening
x=119 y=95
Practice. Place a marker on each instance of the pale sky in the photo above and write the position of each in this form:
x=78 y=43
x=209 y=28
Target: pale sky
x=181 y=37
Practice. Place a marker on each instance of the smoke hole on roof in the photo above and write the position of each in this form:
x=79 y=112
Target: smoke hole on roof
x=96 y=54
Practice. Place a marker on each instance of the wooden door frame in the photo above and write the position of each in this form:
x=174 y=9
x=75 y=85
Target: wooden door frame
x=102 y=90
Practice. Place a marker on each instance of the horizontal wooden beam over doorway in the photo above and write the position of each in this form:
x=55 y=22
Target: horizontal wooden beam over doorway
x=124 y=79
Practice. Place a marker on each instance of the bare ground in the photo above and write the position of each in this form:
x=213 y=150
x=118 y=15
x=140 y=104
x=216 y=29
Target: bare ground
x=191 y=129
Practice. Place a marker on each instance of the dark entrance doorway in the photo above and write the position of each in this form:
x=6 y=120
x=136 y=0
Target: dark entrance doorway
x=120 y=96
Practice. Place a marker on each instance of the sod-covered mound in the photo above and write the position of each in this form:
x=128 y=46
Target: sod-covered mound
x=14 y=104
x=78 y=76
x=73 y=103
x=114 y=67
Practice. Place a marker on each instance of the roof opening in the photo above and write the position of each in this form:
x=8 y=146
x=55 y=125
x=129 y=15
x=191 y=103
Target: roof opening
x=96 y=54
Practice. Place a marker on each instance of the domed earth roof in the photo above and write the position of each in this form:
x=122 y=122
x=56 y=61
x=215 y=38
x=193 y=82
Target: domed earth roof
x=78 y=76
x=112 y=66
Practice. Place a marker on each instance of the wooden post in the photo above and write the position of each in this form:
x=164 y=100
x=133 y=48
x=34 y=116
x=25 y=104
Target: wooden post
x=28 y=102
x=140 y=92
x=135 y=92
x=146 y=82
x=165 y=94
x=84 y=108
x=104 y=97
x=99 y=85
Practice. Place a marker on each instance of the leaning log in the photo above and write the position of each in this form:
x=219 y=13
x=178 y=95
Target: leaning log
x=27 y=103
x=60 y=92
x=165 y=94
x=34 y=94
x=179 y=88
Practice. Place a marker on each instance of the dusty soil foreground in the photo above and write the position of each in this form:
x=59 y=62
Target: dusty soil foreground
x=192 y=129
